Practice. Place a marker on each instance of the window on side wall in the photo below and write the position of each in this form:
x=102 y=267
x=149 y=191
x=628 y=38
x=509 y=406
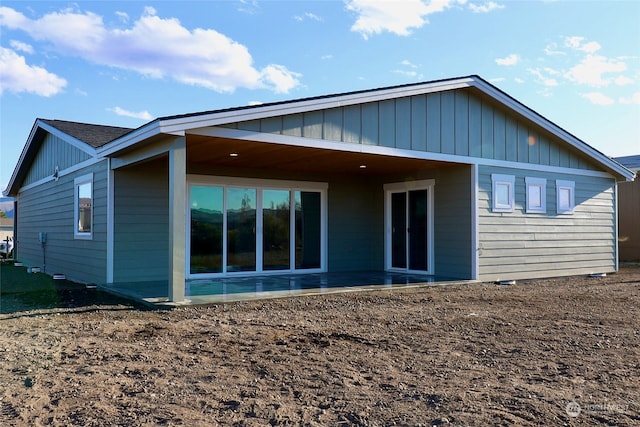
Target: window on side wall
x=503 y=192
x=536 y=195
x=565 y=195
x=83 y=207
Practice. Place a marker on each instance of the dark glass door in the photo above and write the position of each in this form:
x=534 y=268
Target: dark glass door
x=409 y=230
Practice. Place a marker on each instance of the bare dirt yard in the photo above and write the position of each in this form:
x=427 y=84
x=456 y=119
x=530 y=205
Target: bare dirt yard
x=546 y=352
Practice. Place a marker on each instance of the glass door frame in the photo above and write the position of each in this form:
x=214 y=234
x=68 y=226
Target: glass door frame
x=406 y=187
x=259 y=185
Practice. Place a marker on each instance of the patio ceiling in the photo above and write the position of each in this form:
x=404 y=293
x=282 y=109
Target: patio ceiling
x=233 y=153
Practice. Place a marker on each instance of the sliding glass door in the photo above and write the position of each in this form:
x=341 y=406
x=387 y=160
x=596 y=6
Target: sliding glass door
x=255 y=228
x=409 y=221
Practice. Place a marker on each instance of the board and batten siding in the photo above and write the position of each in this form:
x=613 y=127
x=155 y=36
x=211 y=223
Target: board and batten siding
x=451 y=122
x=141 y=222
x=49 y=208
x=54 y=152
x=519 y=245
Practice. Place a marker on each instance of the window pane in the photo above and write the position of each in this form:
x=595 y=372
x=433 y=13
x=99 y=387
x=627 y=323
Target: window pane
x=565 y=198
x=84 y=207
x=206 y=229
x=399 y=230
x=502 y=194
x=241 y=229
x=418 y=241
x=276 y=234
x=307 y=229
x=535 y=199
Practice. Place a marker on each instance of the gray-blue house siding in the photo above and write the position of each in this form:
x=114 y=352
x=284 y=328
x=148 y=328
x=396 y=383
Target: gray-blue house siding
x=431 y=151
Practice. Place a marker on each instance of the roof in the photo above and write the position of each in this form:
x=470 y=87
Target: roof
x=94 y=135
x=179 y=125
x=105 y=141
x=630 y=162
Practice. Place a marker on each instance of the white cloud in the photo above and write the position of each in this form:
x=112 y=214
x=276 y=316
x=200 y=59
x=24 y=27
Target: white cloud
x=623 y=80
x=307 y=15
x=155 y=47
x=576 y=43
x=485 y=8
x=408 y=63
x=509 y=60
x=519 y=80
x=552 y=49
x=327 y=56
x=543 y=77
x=598 y=98
x=144 y=115
x=406 y=73
x=18 y=76
x=21 y=47
x=374 y=16
x=123 y=16
x=279 y=78
x=634 y=99
x=592 y=69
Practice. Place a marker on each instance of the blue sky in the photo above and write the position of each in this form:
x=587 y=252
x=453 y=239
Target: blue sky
x=124 y=63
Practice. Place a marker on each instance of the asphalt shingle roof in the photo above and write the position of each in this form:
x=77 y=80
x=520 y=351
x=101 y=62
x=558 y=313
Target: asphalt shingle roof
x=94 y=135
x=630 y=162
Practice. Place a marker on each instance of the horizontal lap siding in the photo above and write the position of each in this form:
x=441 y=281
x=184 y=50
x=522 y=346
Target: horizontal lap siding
x=49 y=208
x=356 y=224
x=141 y=222
x=452 y=222
x=521 y=245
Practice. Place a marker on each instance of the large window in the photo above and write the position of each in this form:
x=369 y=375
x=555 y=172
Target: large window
x=254 y=226
x=83 y=207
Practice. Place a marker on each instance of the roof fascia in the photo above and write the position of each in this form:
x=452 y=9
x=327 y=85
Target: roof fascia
x=144 y=132
x=30 y=146
x=196 y=121
x=556 y=130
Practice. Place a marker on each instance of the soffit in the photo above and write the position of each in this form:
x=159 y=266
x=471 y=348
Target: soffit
x=259 y=155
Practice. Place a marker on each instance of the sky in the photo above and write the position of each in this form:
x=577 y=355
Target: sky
x=124 y=63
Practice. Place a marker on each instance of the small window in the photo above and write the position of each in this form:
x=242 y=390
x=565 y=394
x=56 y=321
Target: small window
x=503 y=192
x=565 y=194
x=536 y=195
x=83 y=207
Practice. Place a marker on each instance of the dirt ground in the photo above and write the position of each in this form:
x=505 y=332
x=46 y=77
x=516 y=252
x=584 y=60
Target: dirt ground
x=547 y=352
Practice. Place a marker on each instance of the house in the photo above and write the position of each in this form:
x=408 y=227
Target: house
x=629 y=213
x=453 y=178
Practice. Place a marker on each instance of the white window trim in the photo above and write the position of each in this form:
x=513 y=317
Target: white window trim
x=541 y=183
x=508 y=180
x=565 y=185
x=82 y=235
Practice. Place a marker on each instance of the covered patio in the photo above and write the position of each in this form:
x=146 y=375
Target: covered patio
x=248 y=288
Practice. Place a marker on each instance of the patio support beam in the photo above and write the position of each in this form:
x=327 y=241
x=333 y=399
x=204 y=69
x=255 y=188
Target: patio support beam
x=177 y=219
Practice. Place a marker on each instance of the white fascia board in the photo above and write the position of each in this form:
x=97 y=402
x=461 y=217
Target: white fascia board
x=39 y=124
x=349 y=147
x=553 y=128
x=21 y=159
x=145 y=132
x=302 y=106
